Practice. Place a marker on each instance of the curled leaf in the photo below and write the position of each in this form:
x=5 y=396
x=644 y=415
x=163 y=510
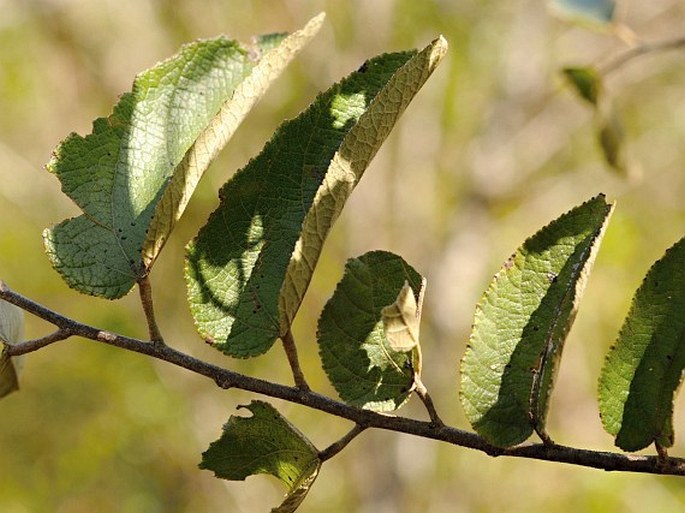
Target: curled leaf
x=643 y=371
x=401 y=319
x=368 y=332
x=521 y=323
x=265 y=443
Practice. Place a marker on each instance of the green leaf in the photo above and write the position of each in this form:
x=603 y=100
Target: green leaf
x=611 y=138
x=643 y=370
x=250 y=266
x=11 y=332
x=134 y=174
x=586 y=11
x=265 y=443
x=521 y=323
x=370 y=362
x=586 y=81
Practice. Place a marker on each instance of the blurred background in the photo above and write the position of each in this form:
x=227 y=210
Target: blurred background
x=493 y=148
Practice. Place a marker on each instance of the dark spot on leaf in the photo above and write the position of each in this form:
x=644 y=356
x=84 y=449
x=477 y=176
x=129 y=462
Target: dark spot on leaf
x=536 y=328
x=363 y=67
x=507 y=366
x=669 y=357
x=403 y=390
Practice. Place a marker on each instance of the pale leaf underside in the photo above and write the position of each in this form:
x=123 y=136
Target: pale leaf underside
x=11 y=332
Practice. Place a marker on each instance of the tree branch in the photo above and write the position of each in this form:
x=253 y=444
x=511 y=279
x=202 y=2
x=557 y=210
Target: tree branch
x=339 y=445
x=362 y=418
x=640 y=50
x=29 y=346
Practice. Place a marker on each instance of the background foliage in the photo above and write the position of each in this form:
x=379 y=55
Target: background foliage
x=493 y=148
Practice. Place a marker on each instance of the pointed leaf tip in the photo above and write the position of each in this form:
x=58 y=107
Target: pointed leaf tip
x=521 y=323
x=368 y=332
x=265 y=443
x=644 y=369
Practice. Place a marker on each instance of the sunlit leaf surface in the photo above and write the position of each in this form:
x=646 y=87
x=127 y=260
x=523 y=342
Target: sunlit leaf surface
x=265 y=443
x=133 y=175
x=521 y=323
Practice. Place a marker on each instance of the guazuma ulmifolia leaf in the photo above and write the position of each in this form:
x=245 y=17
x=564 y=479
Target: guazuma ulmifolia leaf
x=249 y=267
x=368 y=332
x=521 y=323
x=644 y=369
x=265 y=443
x=134 y=174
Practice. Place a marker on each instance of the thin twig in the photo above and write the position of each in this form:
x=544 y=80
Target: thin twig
x=29 y=346
x=609 y=461
x=339 y=445
x=425 y=397
x=640 y=50
x=293 y=360
x=145 y=289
